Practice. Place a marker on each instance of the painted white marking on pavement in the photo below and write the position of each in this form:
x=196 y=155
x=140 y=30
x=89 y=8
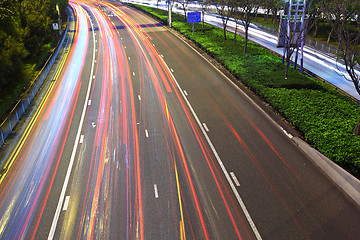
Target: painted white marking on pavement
x=139 y=97
x=186 y=94
x=236 y=193
x=72 y=158
x=82 y=139
x=235 y=179
x=156 y=191
x=146 y=133
x=206 y=128
x=286 y=133
x=134 y=73
x=93 y=124
x=172 y=70
x=66 y=203
x=89 y=103
x=129 y=58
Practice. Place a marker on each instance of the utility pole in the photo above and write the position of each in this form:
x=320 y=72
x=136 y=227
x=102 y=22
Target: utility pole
x=169 y=12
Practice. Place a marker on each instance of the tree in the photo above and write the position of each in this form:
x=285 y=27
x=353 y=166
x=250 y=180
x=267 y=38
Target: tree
x=294 y=32
x=184 y=6
x=345 y=22
x=225 y=9
x=204 y=5
x=246 y=11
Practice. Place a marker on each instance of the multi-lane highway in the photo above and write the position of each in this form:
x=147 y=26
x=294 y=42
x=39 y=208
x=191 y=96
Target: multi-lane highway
x=138 y=136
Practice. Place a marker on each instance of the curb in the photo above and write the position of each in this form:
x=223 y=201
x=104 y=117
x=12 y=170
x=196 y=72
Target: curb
x=348 y=183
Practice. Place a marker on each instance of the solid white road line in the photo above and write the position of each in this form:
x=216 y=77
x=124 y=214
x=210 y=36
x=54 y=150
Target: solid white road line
x=206 y=128
x=156 y=191
x=232 y=174
x=236 y=193
x=66 y=203
x=67 y=177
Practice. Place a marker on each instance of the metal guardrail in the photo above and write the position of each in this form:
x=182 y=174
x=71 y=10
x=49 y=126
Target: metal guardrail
x=13 y=118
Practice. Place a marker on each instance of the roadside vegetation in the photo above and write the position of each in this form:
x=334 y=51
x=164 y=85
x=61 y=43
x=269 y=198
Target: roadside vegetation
x=26 y=41
x=325 y=117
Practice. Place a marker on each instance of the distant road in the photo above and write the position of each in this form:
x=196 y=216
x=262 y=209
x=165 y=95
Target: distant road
x=314 y=60
x=140 y=137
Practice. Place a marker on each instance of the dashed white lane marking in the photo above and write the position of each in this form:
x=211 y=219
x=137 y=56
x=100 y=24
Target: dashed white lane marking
x=139 y=97
x=134 y=73
x=172 y=70
x=129 y=58
x=125 y=47
x=66 y=203
x=206 y=128
x=89 y=103
x=117 y=165
x=228 y=178
x=185 y=92
x=161 y=55
x=81 y=138
x=146 y=133
x=232 y=174
x=156 y=191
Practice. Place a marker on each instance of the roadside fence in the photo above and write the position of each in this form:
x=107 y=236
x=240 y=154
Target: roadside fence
x=14 y=117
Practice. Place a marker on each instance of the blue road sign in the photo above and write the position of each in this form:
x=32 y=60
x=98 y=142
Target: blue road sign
x=194 y=17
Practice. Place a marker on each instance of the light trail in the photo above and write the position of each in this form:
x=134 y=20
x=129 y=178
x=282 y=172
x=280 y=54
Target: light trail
x=28 y=184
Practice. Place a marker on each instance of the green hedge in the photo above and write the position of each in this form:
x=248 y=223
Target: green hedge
x=324 y=117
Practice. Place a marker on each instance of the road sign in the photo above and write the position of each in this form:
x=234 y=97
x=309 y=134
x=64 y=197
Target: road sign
x=55 y=26
x=194 y=17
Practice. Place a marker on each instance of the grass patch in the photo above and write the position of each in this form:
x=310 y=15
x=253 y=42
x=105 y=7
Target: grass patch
x=324 y=117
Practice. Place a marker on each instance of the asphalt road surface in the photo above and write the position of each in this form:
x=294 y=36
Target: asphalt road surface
x=140 y=137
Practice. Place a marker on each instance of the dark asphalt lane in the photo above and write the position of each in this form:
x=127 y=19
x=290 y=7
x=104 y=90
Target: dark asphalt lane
x=155 y=143
x=288 y=197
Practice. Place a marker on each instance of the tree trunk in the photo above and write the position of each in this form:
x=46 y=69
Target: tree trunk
x=329 y=37
x=235 y=33
x=225 y=33
x=246 y=38
x=357 y=129
x=203 y=19
x=316 y=28
x=287 y=66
